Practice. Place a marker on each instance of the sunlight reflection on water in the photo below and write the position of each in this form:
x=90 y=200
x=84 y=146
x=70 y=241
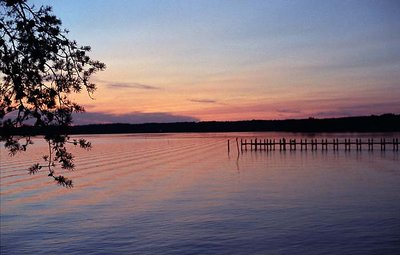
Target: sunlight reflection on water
x=184 y=194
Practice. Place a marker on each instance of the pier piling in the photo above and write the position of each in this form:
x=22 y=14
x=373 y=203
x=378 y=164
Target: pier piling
x=269 y=144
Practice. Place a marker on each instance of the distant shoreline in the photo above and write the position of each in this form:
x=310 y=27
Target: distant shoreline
x=373 y=123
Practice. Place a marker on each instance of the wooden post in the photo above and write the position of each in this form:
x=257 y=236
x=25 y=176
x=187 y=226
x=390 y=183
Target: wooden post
x=314 y=145
x=282 y=144
x=269 y=144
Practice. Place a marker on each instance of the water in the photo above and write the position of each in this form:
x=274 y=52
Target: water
x=184 y=194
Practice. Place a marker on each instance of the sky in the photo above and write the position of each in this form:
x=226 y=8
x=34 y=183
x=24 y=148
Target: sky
x=208 y=60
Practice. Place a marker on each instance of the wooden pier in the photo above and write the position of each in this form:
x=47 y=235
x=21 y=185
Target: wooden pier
x=314 y=144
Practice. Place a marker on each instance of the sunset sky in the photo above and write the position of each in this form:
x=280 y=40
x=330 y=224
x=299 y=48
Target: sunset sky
x=232 y=60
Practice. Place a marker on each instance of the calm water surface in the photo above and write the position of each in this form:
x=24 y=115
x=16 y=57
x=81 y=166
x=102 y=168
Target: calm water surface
x=184 y=194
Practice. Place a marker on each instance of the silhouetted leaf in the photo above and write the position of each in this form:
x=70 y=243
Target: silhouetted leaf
x=40 y=68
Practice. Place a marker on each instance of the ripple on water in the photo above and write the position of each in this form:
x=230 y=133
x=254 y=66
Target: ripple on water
x=184 y=194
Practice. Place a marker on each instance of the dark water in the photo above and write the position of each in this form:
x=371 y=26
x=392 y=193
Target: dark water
x=184 y=194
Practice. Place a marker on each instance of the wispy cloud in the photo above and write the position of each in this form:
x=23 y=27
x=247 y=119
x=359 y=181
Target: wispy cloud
x=284 y=110
x=205 y=101
x=133 y=85
x=360 y=109
x=125 y=85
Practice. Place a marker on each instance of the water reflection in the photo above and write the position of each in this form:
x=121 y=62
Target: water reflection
x=182 y=193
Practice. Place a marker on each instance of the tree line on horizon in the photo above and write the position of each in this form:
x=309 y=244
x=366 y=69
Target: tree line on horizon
x=381 y=123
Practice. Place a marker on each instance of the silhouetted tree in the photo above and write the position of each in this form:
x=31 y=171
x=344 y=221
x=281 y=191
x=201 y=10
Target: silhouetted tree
x=40 y=68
